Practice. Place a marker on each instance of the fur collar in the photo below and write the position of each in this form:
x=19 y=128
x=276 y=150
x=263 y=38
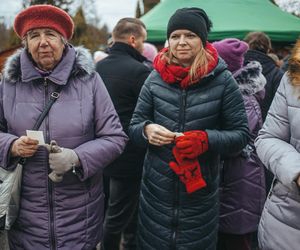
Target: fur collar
x=250 y=78
x=294 y=65
x=83 y=66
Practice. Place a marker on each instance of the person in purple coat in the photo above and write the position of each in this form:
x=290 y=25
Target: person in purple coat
x=67 y=212
x=242 y=186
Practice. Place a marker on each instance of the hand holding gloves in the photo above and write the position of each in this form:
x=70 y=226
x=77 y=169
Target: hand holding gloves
x=61 y=160
x=192 y=144
x=188 y=147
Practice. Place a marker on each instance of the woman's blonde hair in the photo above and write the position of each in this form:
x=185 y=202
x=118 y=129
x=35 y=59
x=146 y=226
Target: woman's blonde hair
x=294 y=65
x=201 y=60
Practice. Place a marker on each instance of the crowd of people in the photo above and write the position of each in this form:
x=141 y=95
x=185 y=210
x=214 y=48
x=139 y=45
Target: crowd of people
x=193 y=147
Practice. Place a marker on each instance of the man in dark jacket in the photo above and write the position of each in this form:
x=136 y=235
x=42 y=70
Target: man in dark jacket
x=124 y=73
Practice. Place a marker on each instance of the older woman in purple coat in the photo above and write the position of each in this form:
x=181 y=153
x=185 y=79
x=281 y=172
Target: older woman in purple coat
x=242 y=188
x=66 y=214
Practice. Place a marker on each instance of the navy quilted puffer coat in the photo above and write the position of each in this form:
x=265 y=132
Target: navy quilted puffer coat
x=169 y=218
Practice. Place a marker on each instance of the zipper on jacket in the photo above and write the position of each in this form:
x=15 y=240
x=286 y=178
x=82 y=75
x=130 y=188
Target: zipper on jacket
x=182 y=111
x=175 y=215
x=50 y=185
x=176 y=184
x=274 y=182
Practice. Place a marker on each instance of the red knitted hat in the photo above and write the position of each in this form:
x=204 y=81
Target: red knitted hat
x=44 y=16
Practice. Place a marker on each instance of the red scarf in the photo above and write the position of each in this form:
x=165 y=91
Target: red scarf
x=172 y=73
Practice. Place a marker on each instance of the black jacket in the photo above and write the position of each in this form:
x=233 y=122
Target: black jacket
x=169 y=218
x=272 y=74
x=124 y=74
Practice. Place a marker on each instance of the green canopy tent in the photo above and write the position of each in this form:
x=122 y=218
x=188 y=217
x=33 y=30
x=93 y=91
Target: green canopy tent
x=230 y=18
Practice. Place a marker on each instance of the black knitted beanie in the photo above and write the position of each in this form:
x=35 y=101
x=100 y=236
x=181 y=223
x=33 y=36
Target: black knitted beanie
x=193 y=19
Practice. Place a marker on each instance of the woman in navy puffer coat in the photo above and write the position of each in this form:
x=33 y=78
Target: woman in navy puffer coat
x=205 y=111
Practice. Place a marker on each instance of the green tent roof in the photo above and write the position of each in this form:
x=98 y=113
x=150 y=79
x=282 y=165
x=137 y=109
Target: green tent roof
x=230 y=18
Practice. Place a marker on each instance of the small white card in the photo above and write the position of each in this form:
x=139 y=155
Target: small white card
x=177 y=134
x=37 y=135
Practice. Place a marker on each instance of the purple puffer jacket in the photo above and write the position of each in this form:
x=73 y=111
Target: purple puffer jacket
x=66 y=215
x=242 y=187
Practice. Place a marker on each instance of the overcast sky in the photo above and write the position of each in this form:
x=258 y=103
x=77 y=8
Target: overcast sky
x=109 y=11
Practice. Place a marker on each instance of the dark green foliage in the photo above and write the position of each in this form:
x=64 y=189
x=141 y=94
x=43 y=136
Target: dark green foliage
x=87 y=34
x=8 y=38
x=63 y=4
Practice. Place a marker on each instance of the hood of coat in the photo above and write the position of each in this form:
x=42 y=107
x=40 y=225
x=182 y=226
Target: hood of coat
x=266 y=61
x=76 y=62
x=250 y=78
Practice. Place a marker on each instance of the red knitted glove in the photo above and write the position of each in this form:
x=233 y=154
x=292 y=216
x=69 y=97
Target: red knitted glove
x=188 y=171
x=192 y=144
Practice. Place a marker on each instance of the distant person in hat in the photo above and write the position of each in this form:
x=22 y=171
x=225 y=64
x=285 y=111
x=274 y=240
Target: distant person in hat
x=66 y=211
x=242 y=178
x=149 y=52
x=189 y=112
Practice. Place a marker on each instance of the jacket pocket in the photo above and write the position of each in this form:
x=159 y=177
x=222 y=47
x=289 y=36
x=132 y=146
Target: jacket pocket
x=278 y=193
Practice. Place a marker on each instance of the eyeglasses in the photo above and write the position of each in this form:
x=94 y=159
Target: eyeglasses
x=39 y=34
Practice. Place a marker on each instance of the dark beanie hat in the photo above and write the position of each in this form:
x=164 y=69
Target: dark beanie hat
x=232 y=50
x=193 y=19
x=44 y=16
